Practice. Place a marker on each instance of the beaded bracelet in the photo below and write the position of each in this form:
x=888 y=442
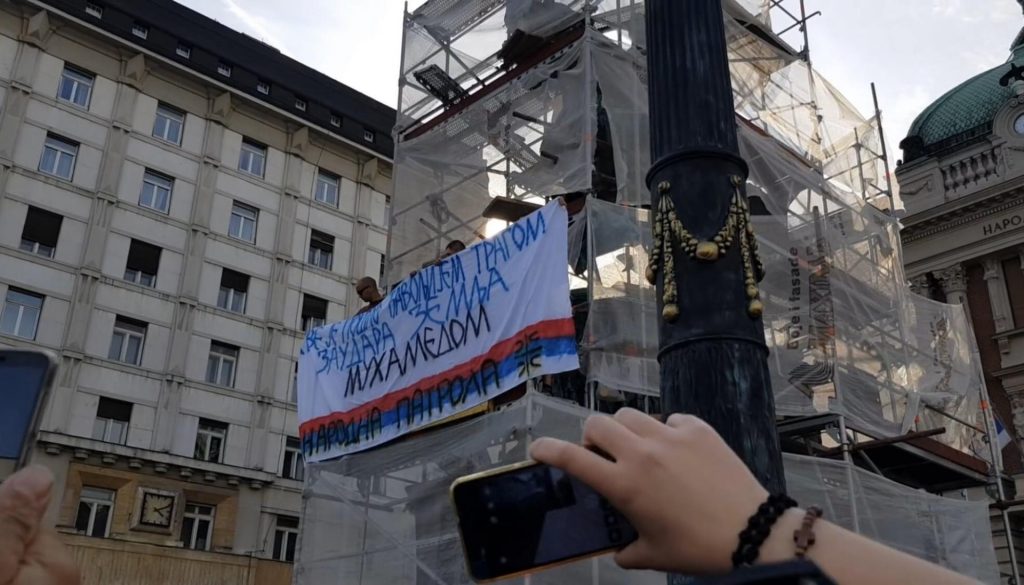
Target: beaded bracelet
x=804 y=537
x=759 y=526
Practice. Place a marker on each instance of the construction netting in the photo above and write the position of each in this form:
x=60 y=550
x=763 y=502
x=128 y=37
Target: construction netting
x=529 y=99
x=844 y=332
x=384 y=516
x=524 y=100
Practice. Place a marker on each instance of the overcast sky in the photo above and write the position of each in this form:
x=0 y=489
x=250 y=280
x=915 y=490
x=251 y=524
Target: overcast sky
x=914 y=50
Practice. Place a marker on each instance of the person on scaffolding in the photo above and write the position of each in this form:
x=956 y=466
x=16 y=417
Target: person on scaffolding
x=530 y=24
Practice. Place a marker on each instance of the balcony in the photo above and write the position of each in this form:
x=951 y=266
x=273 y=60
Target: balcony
x=105 y=561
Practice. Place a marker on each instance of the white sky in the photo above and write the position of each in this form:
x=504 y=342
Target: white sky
x=914 y=50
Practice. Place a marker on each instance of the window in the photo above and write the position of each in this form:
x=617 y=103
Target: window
x=156 y=191
x=314 y=312
x=321 y=250
x=233 y=289
x=94 y=10
x=143 y=263
x=224 y=69
x=326 y=190
x=336 y=120
x=243 y=222
x=184 y=51
x=168 y=124
x=263 y=87
x=375 y=264
x=75 y=87
x=58 y=157
x=210 y=437
x=252 y=158
x=293 y=466
x=286 y=533
x=293 y=394
x=20 y=316
x=220 y=367
x=368 y=135
x=127 y=341
x=197 y=526
x=300 y=104
x=41 y=231
x=140 y=30
x=112 y=418
x=95 y=507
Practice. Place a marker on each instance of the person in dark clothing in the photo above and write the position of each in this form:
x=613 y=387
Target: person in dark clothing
x=367 y=290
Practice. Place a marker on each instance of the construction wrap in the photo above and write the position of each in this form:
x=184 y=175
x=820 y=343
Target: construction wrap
x=531 y=134
x=384 y=516
x=844 y=332
x=620 y=341
x=493 y=115
x=445 y=340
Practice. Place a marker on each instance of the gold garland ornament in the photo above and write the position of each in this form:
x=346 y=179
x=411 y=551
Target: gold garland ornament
x=670 y=234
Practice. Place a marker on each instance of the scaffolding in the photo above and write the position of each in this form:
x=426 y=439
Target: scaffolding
x=505 y=104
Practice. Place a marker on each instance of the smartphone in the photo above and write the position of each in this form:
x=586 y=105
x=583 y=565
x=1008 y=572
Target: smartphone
x=25 y=381
x=528 y=516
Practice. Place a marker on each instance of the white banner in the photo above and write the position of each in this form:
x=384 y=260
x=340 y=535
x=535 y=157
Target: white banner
x=443 y=341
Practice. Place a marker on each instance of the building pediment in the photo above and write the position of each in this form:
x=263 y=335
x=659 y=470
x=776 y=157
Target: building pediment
x=964 y=232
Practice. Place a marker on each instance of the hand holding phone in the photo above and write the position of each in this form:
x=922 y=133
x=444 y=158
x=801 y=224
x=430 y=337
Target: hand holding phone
x=25 y=380
x=529 y=516
x=686 y=492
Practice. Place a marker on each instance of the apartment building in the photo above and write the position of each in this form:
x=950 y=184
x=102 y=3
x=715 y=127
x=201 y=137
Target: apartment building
x=178 y=203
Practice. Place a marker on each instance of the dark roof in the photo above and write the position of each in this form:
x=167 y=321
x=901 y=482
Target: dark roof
x=211 y=43
x=962 y=115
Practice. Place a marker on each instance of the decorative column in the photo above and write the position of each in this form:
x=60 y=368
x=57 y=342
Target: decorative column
x=954 y=284
x=999 y=298
x=919 y=285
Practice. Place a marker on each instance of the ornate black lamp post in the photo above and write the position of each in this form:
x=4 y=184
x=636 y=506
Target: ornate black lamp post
x=712 y=349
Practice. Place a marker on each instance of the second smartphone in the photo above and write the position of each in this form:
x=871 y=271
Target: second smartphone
x=529 y=516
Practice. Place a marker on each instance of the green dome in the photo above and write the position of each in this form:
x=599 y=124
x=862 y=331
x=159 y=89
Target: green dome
x=962 y=114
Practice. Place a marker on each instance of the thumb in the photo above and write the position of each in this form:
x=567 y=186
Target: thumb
x=23 y=500
x=635 y=556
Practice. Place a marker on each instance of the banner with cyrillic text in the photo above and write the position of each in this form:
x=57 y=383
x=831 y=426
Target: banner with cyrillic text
x=443 y=341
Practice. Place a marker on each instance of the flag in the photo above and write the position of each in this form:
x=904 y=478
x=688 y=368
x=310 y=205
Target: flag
x=1002 y=435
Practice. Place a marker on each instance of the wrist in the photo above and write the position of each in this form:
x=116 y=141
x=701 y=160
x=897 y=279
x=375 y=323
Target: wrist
x=779 y=545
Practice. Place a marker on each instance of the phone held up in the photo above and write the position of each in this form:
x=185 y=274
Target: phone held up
x=529 y=516
x=25 y=380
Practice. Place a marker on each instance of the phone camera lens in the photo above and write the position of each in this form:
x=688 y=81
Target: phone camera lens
x=494 y=519
x=614 y=535
x=610 y=520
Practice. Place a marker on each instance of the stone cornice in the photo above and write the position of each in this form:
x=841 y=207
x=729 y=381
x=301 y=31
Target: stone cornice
x=963 y=215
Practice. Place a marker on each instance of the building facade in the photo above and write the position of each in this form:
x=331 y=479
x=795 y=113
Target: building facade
x=178 y=203
x=962 y=182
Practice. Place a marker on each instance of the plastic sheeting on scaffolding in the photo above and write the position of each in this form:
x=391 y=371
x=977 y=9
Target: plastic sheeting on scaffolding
x=479 y=120
x=844 y=332
x=384 y=516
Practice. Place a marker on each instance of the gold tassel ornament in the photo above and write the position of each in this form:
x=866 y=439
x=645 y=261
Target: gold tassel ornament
x=670 y=234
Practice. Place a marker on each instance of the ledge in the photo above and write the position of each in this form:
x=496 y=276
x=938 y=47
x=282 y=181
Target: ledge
x=84 y=449
x=1008 y=334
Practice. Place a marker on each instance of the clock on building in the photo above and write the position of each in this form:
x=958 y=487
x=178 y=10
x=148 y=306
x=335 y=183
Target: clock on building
x=156 y=508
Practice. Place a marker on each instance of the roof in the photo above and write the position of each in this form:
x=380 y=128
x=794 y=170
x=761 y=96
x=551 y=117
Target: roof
x=211 y=43
x=962 y=114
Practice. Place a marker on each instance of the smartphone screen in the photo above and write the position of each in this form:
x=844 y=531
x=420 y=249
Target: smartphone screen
x=24 y=377
x=533 y=516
